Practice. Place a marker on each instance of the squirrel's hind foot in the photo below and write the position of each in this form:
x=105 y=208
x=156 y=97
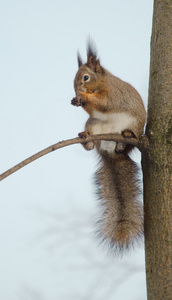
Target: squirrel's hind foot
x=87 y=145
x=120 y=147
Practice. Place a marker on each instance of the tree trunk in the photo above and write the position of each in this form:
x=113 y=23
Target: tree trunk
x=157 y=160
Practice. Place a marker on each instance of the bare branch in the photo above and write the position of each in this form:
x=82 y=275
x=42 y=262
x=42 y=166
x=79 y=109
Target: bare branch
x=108 y=137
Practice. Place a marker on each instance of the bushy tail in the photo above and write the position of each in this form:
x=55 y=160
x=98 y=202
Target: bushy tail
x=122 y=217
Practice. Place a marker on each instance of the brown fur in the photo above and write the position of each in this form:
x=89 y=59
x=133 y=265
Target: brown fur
x=103 y=94
x=121 y=222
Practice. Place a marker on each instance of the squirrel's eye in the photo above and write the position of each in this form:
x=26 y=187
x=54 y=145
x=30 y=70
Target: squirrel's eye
x=86 y=77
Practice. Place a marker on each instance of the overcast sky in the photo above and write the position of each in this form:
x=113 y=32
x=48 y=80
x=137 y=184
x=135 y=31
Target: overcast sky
x=48 y=209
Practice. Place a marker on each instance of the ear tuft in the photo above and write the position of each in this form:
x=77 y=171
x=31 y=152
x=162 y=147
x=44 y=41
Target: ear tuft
x=91 y=55
x=91 y=48
x=80 y=63
x=92 y=61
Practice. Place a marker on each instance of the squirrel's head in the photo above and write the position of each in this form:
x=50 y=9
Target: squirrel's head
x=89 y=74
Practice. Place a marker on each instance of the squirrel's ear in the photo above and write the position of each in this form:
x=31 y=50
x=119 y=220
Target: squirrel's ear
x=94 y=64
x=80 y=63
x=92 y=61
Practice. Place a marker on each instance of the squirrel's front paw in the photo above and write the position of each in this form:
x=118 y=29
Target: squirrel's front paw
x=77 y=102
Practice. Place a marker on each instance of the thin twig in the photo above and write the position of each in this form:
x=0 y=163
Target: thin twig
x=108 y=137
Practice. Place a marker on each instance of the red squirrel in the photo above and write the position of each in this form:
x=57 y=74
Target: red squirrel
x=114 y=106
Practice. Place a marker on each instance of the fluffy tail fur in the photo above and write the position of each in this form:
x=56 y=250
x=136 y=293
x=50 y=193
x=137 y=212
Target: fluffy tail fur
x=118 y=189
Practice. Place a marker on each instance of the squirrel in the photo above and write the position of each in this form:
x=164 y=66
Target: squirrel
x=114 y=106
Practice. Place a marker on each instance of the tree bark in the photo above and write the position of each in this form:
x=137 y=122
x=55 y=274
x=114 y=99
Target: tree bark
x=157 y=160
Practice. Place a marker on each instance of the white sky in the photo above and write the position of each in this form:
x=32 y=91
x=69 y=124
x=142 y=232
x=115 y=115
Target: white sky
x=48 y=209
